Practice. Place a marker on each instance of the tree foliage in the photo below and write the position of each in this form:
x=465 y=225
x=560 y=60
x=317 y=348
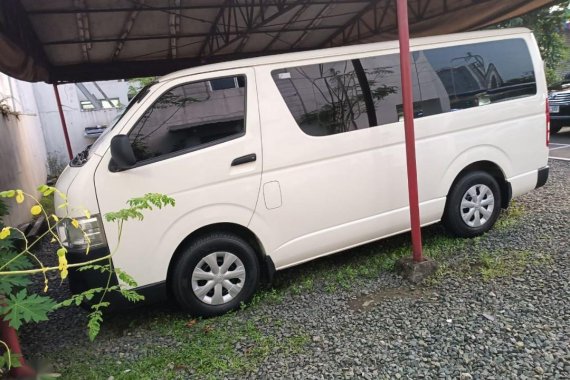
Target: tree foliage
x=136 y=84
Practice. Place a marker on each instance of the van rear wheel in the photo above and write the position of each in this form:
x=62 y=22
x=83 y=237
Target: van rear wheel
x=215 y=274
x=473 y=205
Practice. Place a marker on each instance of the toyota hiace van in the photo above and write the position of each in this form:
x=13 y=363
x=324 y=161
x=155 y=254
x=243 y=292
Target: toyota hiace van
x=274 y=161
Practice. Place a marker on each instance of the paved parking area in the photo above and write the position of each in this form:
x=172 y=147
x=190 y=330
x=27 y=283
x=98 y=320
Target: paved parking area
x=560 y=145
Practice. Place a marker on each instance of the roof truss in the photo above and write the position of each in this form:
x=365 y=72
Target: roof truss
x=94 y=39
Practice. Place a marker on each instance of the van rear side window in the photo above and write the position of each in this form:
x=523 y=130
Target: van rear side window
x=343 y=96
x=190 y=117
x=476 y=74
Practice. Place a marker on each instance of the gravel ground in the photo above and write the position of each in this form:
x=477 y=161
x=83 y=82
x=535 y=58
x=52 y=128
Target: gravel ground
x=516 y=326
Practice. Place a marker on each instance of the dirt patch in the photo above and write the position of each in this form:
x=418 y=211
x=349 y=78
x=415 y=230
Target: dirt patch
x=367 y=302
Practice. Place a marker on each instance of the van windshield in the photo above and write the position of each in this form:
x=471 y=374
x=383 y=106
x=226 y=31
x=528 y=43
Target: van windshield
x=84 y=155
x=137 y=98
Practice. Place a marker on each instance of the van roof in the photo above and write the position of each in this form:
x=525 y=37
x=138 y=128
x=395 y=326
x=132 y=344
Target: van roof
x=351 y=49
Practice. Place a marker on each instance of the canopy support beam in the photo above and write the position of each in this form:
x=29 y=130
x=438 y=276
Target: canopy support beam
x=63 y=123
x=408 y=105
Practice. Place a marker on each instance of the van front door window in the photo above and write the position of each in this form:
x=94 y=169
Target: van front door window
x=189 y=117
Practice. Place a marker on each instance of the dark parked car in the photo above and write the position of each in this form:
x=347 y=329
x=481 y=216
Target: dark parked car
x=559 y=109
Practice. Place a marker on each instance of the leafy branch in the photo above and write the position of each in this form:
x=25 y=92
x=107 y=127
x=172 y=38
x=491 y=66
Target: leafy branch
x=17 y=306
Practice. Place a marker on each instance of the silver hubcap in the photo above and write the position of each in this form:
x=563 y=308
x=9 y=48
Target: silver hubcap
x=218 y=278
x=477 y=205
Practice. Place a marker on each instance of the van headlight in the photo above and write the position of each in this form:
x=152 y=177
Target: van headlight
x=89 y=232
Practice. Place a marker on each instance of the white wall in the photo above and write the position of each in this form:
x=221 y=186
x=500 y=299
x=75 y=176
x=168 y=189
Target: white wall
x=112 y=88
x=22 y=148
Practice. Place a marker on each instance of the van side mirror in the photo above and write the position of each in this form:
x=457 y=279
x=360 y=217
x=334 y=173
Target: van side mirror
x=122 y=153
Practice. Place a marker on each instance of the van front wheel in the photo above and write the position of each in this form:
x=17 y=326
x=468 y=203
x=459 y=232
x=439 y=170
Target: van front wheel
x=215 y=274
x=473 y=205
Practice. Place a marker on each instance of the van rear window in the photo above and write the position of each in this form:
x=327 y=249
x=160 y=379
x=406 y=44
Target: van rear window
x=343 y=96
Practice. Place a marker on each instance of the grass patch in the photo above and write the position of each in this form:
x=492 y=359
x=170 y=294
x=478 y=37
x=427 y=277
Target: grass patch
x=352 y=267
x=306 y=285
x=509 y=263
x=206 y=349
x=381 y=258
x=489 y=265
x=510 y=216
x=272 y=295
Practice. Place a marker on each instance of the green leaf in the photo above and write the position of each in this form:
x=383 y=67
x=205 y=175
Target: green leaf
x=7 y=194
x=131 y=295
x=101 y=304
x=22 y=307
x=7 y=254
x=46 y=190
x=10 y=361
x=126 y=278
x=136 y=205
x=100 y=268
x=6 y=245
x=94 y=324
x=8 y=283
x=67 y=302
x=77 y=299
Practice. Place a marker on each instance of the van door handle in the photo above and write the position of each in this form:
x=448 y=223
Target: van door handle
x=244 y=159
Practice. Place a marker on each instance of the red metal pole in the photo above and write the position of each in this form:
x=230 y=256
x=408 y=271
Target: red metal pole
x=63 y=123
x=408 y=105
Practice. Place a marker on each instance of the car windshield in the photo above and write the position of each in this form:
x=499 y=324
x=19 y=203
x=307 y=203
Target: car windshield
x=138 y=97
x=108 y=129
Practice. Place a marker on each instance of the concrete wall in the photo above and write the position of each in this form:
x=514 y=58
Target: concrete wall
x=77 y=120
x=22 y=147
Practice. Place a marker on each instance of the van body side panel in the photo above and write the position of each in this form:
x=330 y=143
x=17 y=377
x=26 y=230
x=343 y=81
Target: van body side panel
x=349 y=188
x=78 y=201
x=334 y=188
x=206 y=187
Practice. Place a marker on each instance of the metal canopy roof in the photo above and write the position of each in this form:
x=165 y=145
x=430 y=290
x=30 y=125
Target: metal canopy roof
x=85 y=40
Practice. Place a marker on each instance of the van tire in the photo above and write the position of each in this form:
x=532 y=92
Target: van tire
x=476 y=220
x=202 y=289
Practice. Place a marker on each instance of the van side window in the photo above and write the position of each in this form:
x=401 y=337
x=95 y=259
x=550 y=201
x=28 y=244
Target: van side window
x=189 y=117
x=324 y=99
x=383 y=75
x=345 y=96
x=473 y=75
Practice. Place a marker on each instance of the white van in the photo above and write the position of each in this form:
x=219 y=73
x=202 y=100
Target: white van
x=278 y=160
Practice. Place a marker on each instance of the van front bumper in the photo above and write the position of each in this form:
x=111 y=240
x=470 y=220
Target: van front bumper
x=81 y=281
